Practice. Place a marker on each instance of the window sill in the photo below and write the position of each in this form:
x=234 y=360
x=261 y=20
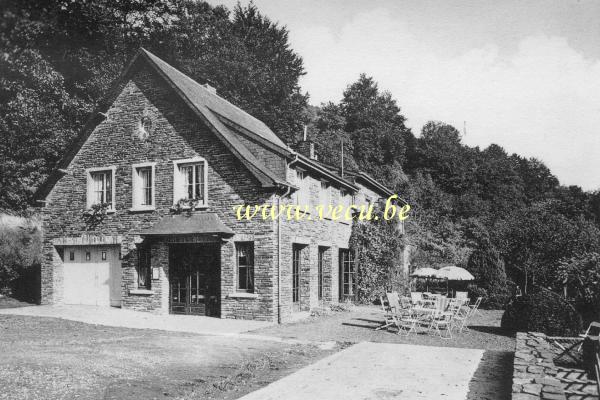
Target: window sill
x=142 y=209
x=242 y=295
x=141 y=292
x=109 y=211
x=202 y=207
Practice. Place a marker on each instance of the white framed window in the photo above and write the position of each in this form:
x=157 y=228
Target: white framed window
x=325 y=194
x=190 y=178
x=302 y=195
x=101 y=187
x=143 y=186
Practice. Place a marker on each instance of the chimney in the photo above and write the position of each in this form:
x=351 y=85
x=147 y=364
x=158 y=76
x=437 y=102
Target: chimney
x=307 y=149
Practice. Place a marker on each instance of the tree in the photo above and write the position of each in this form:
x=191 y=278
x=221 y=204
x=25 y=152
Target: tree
x=579 y=278
x=377 y=130
x=487 y=267
x=327 y=131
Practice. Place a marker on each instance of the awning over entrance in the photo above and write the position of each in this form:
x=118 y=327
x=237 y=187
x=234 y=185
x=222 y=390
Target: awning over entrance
x=194 y=224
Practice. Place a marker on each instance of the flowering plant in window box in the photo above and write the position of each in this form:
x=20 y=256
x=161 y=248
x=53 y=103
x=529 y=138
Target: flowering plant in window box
x=95 y=215
x=187 y=205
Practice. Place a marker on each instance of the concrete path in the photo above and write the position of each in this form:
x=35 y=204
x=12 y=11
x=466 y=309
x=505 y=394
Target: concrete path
x=380 y=371
x=111 y=316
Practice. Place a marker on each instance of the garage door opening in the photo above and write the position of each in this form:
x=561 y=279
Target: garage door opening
x=92 y=275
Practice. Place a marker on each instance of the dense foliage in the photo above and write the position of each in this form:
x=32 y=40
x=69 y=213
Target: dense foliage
x=579 y=277
x=487 y=267
x=20 y=252
x=542 y=311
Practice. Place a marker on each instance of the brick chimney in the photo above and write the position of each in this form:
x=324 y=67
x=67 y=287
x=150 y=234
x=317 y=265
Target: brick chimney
x=307 y=149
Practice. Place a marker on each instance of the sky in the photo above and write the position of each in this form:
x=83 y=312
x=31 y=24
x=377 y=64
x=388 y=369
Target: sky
x=522 y=74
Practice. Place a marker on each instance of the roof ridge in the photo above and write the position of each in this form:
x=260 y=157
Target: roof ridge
x=205 y=90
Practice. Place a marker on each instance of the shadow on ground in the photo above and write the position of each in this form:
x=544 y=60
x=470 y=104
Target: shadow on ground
x=493 y=378
x=494 y=330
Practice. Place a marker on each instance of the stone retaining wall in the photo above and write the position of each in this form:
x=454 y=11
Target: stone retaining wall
x=534 y=374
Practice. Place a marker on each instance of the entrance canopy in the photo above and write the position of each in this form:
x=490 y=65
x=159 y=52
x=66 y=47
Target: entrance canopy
x=193 y=224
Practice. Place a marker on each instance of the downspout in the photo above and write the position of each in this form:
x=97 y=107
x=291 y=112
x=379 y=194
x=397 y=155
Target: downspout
x=279 y=197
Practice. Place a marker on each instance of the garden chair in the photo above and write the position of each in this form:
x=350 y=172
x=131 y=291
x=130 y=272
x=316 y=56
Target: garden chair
x=388 y=314
x=442 y=318
x=416 y=297
x=461 y=318
x=462 y=295
x=403 y=318
x=475 y=307
x=592 y=330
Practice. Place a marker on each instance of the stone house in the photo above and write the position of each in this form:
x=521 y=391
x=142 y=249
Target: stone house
x=161 y=167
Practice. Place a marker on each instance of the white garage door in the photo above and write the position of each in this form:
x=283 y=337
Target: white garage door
x=92 y=275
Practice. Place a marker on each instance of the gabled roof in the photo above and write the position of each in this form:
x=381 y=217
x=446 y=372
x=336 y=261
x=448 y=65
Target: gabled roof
x=208 y=106
x=199 y=95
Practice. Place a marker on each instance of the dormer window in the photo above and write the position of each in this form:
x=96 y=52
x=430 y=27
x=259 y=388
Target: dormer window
x=189 y=181
x=100 y=187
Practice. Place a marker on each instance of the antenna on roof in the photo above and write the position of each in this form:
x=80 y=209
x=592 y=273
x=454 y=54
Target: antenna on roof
x=342 y=174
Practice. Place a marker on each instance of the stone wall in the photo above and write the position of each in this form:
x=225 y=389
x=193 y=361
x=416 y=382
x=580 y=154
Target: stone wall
x=177 y=133
x=534 y=375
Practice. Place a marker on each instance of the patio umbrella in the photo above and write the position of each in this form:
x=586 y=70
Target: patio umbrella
x=453 y=273
x=425 y=273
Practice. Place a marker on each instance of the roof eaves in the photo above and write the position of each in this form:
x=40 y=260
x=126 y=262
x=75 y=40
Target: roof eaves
x=375 y=183
x=318 y=168
x=285 y=152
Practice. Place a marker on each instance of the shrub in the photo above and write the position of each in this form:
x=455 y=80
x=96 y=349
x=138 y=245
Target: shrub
x=542 y=311
x=490 y=277
x=579 y=276
x=20 y=256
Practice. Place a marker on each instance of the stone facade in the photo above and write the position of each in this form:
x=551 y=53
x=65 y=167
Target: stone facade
x=534 y=375
x=177 y=133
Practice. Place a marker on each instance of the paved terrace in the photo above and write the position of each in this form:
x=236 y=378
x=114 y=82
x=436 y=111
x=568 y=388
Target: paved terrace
x=118 y=317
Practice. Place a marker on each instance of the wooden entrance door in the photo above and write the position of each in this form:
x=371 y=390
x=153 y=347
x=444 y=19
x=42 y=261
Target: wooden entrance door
x=348 y=289
x=194 y=279
x=296 y=263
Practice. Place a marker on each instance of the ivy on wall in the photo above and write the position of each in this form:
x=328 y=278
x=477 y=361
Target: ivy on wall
x=378 y=248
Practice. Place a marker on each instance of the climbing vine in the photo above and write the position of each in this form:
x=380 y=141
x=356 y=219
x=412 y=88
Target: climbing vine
x=377 y=245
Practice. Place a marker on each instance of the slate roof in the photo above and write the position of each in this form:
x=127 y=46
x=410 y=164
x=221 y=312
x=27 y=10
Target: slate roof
x=209 y=106
x=182 y=224
x=201 y=96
